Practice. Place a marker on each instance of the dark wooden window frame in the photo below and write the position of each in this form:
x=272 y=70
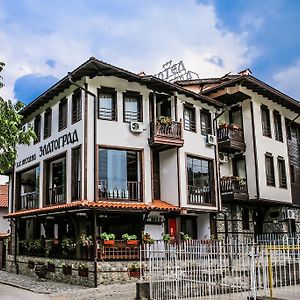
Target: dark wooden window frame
x=192 y=127
x=245 y=218
x=207 y=129
x=139 y=98
x=72 y=173
x=37 y=128
x=76 y=115
x=282 y=175
x=292 y=173
x=277 y=124
x=47 y=123
x=63 y=114
x=113 y=92
x=270 y=178
x=266 y=126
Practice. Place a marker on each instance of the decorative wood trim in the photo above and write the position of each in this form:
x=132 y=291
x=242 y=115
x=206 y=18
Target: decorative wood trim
x=85 y=129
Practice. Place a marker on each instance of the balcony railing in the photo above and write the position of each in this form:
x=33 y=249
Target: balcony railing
x=233 y=184
x=231 y=138
x=131 y=190
x=166 y=134
x=29 y=200
x=199 y=195
x=57 y=195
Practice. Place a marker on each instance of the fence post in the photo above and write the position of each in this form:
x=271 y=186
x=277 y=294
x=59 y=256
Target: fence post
x=253 y=290
x=270 y=272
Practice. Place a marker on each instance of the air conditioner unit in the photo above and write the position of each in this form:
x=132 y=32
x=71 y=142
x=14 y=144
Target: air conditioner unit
x=290 y=214
x=223 y=158
x=136 y=126
x=210 y=140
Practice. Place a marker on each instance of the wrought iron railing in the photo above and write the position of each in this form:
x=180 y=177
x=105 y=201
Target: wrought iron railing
x=29 y=200
x=171 y=130
x=233 y=184
x=230 y=133
x=128 y=190
x=57 y=195
x=199 y=195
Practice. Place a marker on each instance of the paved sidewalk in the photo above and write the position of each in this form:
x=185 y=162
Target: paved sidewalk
x=59 y=291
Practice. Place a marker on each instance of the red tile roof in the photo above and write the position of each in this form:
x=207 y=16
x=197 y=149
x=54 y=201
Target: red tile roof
x=156 y=205
x=3 y=196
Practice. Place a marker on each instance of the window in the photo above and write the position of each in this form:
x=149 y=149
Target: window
x=281 y=173
x=132 y=106
x=107 y=104
x=265 y=120
x=63 y=114
x=76 y=173
x=47 y=123
x=292 y=173
x=37 y=128
x=269 y=169
x=205 y=122
x=120 y=174
x=189 y=117
x=200 y=179
x=278 y=126
x=245 y=218
x=76 y=106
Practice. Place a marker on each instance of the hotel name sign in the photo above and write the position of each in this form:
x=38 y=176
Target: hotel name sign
x=55 y=144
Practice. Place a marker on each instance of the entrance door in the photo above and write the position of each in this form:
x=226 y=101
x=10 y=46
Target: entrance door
x=165 y=108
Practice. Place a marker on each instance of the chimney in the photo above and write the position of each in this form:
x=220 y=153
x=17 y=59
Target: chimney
x=245 y=72
x=142 y=73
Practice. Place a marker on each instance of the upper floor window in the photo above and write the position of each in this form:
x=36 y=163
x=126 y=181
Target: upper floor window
x=132 y=107
x=245 y=218
x=63 y=114
x=278 y=126
x=265 y=120
x=189 y=117
x=200 y=180
x=76 y=106
x=76 y=173
x=292 y=173
x=281 y=173
x=107 y=104
x=37 y=128
x=47 y=123
x=205 y=122
x=269 y=162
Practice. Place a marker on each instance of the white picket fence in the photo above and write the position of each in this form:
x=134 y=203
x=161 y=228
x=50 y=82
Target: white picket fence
x=218 y=269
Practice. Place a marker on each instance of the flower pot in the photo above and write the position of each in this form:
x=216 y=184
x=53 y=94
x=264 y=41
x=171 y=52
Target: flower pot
x=31 y=264
x=223 y=126
x=109 y=242
x=83 y=272
x=67 y=270
x=132 y=242
x=134 y=273
x=51 y=267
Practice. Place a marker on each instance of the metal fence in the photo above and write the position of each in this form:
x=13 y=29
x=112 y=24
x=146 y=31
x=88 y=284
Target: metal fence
x=220 y=269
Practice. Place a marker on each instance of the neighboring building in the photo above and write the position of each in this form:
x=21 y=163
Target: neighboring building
x=259 y=151
x=4 y=224
x=119 y=153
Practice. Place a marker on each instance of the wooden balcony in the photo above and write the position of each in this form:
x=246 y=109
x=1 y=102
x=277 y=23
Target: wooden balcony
x=29 y=200
x=165 y=136
x=57 y=195
x=199 y=195
x=231 y=139
x=233 y=188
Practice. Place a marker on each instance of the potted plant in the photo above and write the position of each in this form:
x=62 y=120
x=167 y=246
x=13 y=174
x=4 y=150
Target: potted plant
x=234 y=126
x=130 y=239
x=51 y=266
x=68 y=247
x=67 y=269
x=83 y=270
x=168 y=239
x=164 y=120
x=147 y=239
x=134 y=271
x=108 y=238
x=223 y=125
x=185 y=236
x=86 y=240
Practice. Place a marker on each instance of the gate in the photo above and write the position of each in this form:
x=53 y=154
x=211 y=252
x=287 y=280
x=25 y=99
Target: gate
x=220 y=270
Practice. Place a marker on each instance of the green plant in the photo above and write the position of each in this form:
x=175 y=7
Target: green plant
x=134 y=267
x=68 y=246
x=147 y=239
x=107 y=236
x=163 y=120
x=167 y=238
x=86 y=240
x=128 y=237
x=185 y=236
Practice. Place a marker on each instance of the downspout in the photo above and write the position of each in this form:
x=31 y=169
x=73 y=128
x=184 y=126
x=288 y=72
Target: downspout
x=95 y=172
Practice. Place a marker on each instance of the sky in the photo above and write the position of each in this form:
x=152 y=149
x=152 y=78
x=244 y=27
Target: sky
x=41 y=41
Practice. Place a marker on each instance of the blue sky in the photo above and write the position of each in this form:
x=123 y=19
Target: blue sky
x=40 y=41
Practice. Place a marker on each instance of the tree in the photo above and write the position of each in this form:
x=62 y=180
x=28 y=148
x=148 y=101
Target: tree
x=11 y=133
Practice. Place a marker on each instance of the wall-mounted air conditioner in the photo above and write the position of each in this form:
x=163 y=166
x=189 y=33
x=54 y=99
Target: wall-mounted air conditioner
x=223 y=158
x=290 y=214
x=210 y=140
x=136 y=127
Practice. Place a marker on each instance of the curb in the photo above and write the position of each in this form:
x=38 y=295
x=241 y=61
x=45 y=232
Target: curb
x=23 y=288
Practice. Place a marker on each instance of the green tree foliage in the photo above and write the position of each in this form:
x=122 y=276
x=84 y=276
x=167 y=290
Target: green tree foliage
x=11 y=132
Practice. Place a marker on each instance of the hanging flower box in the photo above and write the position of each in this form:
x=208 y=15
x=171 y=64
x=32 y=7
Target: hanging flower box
x=134 y=271
x=83 y=271
x=31 y=264
x=109 y=242
x=67 y=270
x=132 y=242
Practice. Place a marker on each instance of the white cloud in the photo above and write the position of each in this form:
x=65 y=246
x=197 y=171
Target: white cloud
x=287 y=80
x=138 y=35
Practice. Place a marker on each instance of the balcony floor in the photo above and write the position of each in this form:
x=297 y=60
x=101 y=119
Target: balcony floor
x=231 y=146
x=165 y=143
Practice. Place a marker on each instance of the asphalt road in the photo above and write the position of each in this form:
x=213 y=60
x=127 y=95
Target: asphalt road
x=8 y=292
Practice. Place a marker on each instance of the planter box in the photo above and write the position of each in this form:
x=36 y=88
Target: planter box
x=109 y=242
x=51 y=267
x=133 y=242
x=31 y=264
x=134 y=273
x=83 y=272
x=67 y=270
